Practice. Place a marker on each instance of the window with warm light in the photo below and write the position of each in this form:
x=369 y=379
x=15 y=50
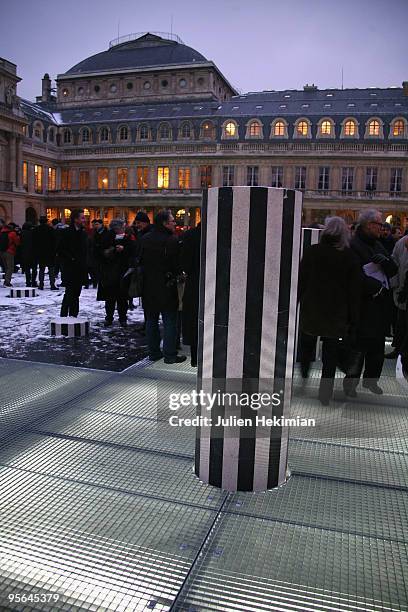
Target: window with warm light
x=207 y=130
x=104 y=134
x=52 y=179
x=398 y=128
x=227 y=176
x=279 y=129
x=277 y=176
x=38 y=178
x=142 y=173
x=302 y=128
x=25 y=176
x=103 y=178
x=374 y=128
x=84 y=180
x=67 y=137
x=230 y=129
x=326 y=128
x=123 y=133
x=252 y=176
x=67 y=214
x=122 y=178
x=163 y=175
x=66 y=179
x=144 y=132
x=350 y=128
x=205 y=176
x=254 y=129
x=184 y=178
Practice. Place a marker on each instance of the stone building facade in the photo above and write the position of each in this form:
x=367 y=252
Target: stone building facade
x=150 y=122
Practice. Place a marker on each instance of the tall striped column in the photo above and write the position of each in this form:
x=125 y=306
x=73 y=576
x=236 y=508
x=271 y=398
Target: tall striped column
x=250 y=250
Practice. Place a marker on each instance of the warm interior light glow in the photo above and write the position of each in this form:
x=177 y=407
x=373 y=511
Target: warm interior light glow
x=230 y=129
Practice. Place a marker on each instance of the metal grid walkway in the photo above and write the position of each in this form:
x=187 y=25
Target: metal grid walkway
x=99 y=504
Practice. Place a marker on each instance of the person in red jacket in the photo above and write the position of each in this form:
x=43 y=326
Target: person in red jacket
x=9 y=242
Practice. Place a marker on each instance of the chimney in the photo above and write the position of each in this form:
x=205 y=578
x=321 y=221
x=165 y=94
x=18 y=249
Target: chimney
x=405 y=87
x=312 y=87
x=46 y=88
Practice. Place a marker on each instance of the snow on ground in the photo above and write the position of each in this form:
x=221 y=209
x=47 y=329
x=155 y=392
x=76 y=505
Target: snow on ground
x=25 y=324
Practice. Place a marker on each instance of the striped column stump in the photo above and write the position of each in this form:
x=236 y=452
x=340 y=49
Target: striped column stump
x=71 y=327
x=247 y=315
x=23 y=292
x=310 y=236
x=401 y=371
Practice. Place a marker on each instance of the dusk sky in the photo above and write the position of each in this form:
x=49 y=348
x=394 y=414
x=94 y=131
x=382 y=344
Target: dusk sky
x=257 y=44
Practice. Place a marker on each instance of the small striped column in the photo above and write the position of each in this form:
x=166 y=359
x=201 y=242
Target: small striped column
x=401 y=371
x=310 y=236
x=23 y=292
x=248 y=288
x=72 y=327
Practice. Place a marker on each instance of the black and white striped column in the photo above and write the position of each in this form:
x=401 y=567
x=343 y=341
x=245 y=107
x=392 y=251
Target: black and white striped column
x=72 y=327
x=23 y=292
x=250 y=251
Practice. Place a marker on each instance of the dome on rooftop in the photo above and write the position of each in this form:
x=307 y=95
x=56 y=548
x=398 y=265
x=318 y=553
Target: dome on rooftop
x=139 y=51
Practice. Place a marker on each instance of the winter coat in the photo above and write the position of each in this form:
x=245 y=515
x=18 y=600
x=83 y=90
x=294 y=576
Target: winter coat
x=161 y=266
x=400 y=256
x=44 y=244
x=329 y=291
x=138 y=234
x=72 y=254
x=13 y=241
x=113 y=265
x=27 y=249
x=376 y=310
x=190 y=264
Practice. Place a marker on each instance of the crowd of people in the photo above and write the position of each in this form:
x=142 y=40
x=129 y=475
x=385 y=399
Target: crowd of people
x=353 y=285
x=353 y=293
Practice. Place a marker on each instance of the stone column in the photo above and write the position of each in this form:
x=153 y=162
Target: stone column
x=19 y=175
x=249 y=268
x=30 y=170
x=13 y=160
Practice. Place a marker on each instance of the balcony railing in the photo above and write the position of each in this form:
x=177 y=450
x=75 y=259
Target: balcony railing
x=108 y=193
x=6 y=186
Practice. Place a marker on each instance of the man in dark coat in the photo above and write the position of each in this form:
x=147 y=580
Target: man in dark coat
x=161 y=267
x=73 y=257
x=375 y=313
x=190 y=263
x=141 y=226
x=44 y=244
x=28 y=260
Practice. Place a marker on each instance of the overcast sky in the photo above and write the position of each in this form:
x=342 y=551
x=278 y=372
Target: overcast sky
x=257 y=44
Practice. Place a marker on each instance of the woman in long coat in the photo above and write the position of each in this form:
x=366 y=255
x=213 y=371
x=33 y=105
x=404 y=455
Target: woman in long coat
x=329 y=293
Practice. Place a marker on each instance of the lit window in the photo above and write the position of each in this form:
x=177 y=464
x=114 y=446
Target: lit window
x=144 y=132
x=38 y=178
x=398 y=128
x=85 y=135
x=25 y=175
x=208 y=130
x=279 y=129
x=123 y=133
x=65 y=92
x=184 y=178
x=374 y=128
x=326 y=128
x=142 y=177
x=84 y=180
x=230 y=129
x=122 y=178
x=255 y=129
x=103 y=178
x=67 y=136
x=65 y=179
x=164 y=131
x=350 y=128
x=104 y=134
x=186 y=130
x=52 y=179
x=302 y=128
x=205 y=176
x=163 y=177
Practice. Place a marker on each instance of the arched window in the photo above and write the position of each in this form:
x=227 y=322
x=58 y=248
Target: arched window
x=254 y=130
x=67 y=136
x=374 y=128
x=104 y=135
x=398 y=127
x=85 y=135
x=350 y=128
x=185 y=131
x=164 y=131
x=123 y=132
x=302 y=128
x=207 y=130
x=326 y=128
x=38 y=129
x=230 y=130
x=279 y=129
x=144 y=132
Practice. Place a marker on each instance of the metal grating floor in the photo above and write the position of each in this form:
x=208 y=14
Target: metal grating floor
x=99 y=503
